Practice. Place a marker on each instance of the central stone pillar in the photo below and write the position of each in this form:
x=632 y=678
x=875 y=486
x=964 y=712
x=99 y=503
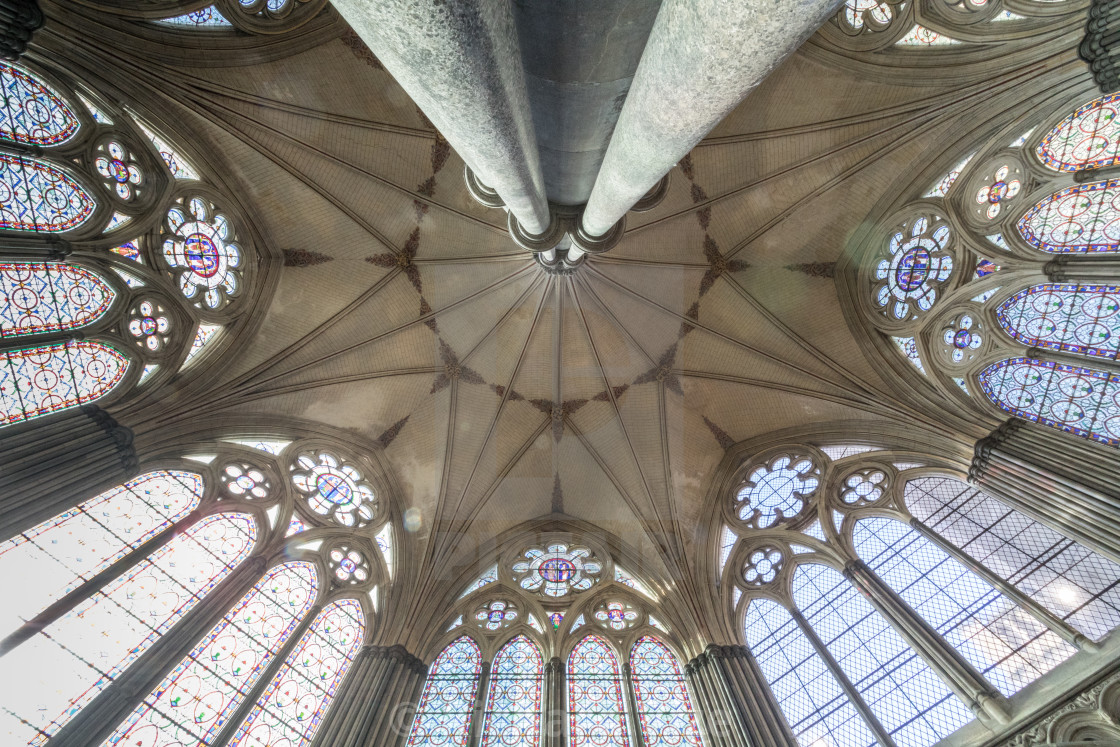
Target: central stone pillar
x=703 y=57
x=460 y=61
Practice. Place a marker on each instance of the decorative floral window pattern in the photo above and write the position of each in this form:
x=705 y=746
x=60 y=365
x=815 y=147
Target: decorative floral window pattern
x=40 y=297
x=856 y=13
x=557 y=570
x=38 y=196
x=1082 y=319
x=444 y=716
x=139 y=607
x=1089 y=138
x=1082 y=401
x=1005 y=644
x=918 y=263
x=49 y=378
x=596 y=706
x=495 y=615
x=1001 y=189
x=193 y=703
x=1076 y=220
x=664 y=708
x=616 y=615
x=335 y=489
x=202 y=251
x=776 y=491
x=33 y=113
x=294 y=703
x=513 y=707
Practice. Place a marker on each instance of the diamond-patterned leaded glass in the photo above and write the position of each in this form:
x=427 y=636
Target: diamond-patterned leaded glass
x=596 y=708
x=513 y=707
x=444 y=715
x=664 y=708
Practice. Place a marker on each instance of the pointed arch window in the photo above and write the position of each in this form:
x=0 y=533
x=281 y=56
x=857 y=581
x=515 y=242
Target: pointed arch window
x=1075 y=399
x=1075 y=583
x=815 y=705
x=34 y=113
x=665 y=712
x=911 y=702
x=596 y=707
x=193 y=703
x=1077 y=220
x=444 y=716
x=62 y=668
x=49 y=378
x=38 y=196
x=513 y=706
x=1081 y=319
x=41 y=297
x=293 y=705
x=1005 y=644
x=1089 y=138
x=74 y=546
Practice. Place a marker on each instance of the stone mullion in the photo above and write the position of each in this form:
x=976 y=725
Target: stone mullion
x=854 y=696
x=1059 y=626
x=632 y=705
x=765 y=717
x=718 y=715
x=963 y=678
x=401 y=689
x=279 y=659
x=552 y=715
x=90 y=587
x=355 y=685
x=94 y=723
x=478 y=713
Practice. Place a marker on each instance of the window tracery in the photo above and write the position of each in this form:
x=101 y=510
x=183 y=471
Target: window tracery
x=664 y=708
x=596 y=704
x=513 y=705
x=774 y=492
x=444 y=714
x=557 y=569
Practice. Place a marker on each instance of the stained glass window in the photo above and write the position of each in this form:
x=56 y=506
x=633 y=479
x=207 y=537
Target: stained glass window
x=920 y=36
x=942 y=187
x=664 y=708
x=33 y=112
x=1081 y=219
x=1083 y=319
x=60 y=670
x=558 y=569
x=193 y=703
x=995 y=635
x=206 y=17
x=596 y=708
x=913 y=705
x=444 y=715
x=294 y=703
x=385 y=544
x=856 y=10
x=38 y=297
x=1076 y=584
x=815 y=706
x=36 y=196
x=1087 y=139
x=513 y=707
x=45 y=379
x=76 y=545
x=1082 y=401
x=176 y=164
x=912 y=269
x=487 y=578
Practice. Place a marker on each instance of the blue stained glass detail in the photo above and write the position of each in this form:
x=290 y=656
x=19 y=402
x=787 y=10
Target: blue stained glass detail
x=205 y=17
x=815 y=705
x=1077 y=220
x=40 y=297
x=1082 y=319
x=37 y=196
x=513 y=708
x=49 y=378
x=1077 y=400
x=444 y=715
x=664 y=708
x=1087 y=139
x=995 y=635
x=914 y=706
x=33 y=112
x=596 y=707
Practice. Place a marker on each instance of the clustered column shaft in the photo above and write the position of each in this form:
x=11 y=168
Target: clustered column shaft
x=733 y=703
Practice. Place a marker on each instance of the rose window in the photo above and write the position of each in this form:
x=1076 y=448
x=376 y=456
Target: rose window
x=776 y=491
x=962 y=337
x=242 y=480
x=1002 y=189
x=762 y=566
x=557 y=570
x=496 y=614
x=150 y=325
x=334 y=489
x=121 y=173
x=202 y=251
x=865 y=486
x=349 y=566
x=918 y=263
x=616 y=615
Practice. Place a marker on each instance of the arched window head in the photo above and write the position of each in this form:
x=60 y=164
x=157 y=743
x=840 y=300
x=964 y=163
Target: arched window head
x=911 y=269
x=40 y=197
x=34 y=113
x=1077 y=400
x=444 y=715
x=596 y=705
x=96 y=641
x=293 y=704
x=195 y=701
x=51 y=378
x=913 y=705
x=1078 y=220
x=202 y=250
x=1089 y=138
x=335 y=489
x=664 y=708
x=76 y=545
x=1082 y=319
x=557 y=569
x=513 y=706
x=998 y=637
x=42 y=297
